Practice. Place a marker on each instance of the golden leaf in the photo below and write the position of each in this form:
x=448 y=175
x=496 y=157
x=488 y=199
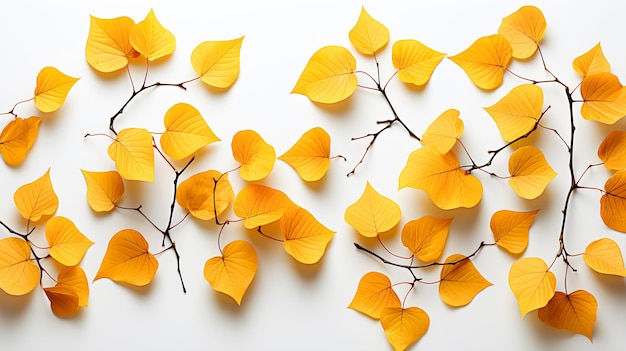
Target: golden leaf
x=217 y=62
x=104 y=189
x=460 y=282
x=185 y=131
x=17 y=137
x=373 y=295
x=613 y=202
x=259 y=205
x=74 y=278
x=604 y=256
x=67 y=244
x=523 y=29
x=368 y=35
x=591 y=62
x=604 y=98
x=404 y=326
x=372 y=213
x=310 y=155
x=575 y=312
x=63 y=301
x=133 y=153
x=517 y=113
x=151 y=39
x=444 y=131
x=510 y=229
x=532 y=283
x=52 y=88
x=305 y=239
x=19 y=275
x=530 y=172
x=255 y=155
x=37 y=199
x=485 y=61
x=200 y=194
x=232 y=272
x=612 y=150
x=108 y=48
x=426 y=237
x=414 y=61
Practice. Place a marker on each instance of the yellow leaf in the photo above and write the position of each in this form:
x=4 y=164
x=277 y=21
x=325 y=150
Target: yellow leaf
x=232 y=272
x=67 y=244
x=74 y=278
x=523 y=29
x=310 y=155
x=442 y=178
x=604 y=98
x=19 y=274
x=517 y=113
x=426 y=237
x=591 y=62
x=255 y=155
x=404 y=326
x=604 y=256
x=444 y=131
x=613 y=202
x=185 y=131
x=414 y=61
x=485 y=61
x=532 y=283
x=373 y=295
x=575 y=312
x=217 y=62
x=63 y=301
x=37 y=199
x=151 y=39
x=530 y=172
x=108 y=48
x=460 y=282
x=259 y=205
x=104 y=189
x=127 y=259
x=510 y=229
x=372 y=213
x=52 y=88
x=328 y=76
x=17 y=137
x=368 y=35
x=200 y=194
x=305 y=239
x=612 y=150
x=133 y=153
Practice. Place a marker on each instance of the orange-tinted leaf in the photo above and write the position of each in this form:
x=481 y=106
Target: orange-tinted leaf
x=485 y=61
x=523 y=29
x=517 y=113
x=532 y=283
x=199 y=194
x=63 y=301
x=404 y=326
x=127 y=259
x=328 y=76
x=613 y=202
x=232 y=272
x=426 y=237
x=374 y=294
x=310 y=155
x=575 y=312
x=108 y=48
x=510 y=229
x=444 y=131
x=185 y=131
x=530 y=172
x=67 y=244
x=151 y=39
x=591 y=62
x=37 y=199
x=255 y=155
x=104 y=189
x=604 y=98
x=612 y=150
x=74 y=278
x=604 y=256
x=460 y=282
x=368 y=35
x=372 y=213
x=18 y=273
x=259 y=205
x=217 y=62
x=52 y=88
x=305 y=239
x=414 y=61
x=17 y=137
x=133 y=154
x=442 y=178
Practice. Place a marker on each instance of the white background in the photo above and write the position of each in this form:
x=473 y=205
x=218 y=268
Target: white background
x=290 y=306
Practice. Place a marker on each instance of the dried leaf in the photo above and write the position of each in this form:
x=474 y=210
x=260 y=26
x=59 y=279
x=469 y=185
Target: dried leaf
x=151 y=39
x=17 y=137
x=591 y=62
x=414 y=61
x=372 y=214
x=185 y=131
x=63 y=301
x=133 y=154
x=518 y=113
x=510 y=229
x=217 y=62
x=461 y=282
x=108 y=48
x=104 y=189
x=67 y=244
x=444 y=131
x=530 y=172
x=368 y=35
x=310 y=155
x=604 y=98
x=604 y=256
x=37 y=199
x=74 y=278
x=485 y=61
x=260 y=205
x=232 y=272
x=613 y=202
x=523 y=29
x=532 y=283
x=374 y=294
x=19 y=275
x=426 y=237
x=305 y=239
x=612 y=150
x=255 y=155
x=575 y=312
x=52 y=89
x=200 y=194
x=404 y=326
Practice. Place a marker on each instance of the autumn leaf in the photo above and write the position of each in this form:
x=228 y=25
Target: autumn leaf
x=460 y=282
x=532 y=283
x=510 y=229
x=604 y=256
x=426 y=237
x=591 y=62
x=604 y=98
x=404 y=326
x=414 y=61
x=530 y=172
x=233 y=271
x=372 y=214
x=19 y=275
x=36 y=199
x=127 y=259
x=217 y=62
x=108 y=47
x=255 y=155
x=612 y=150
x=613 y=202
x=575 y=312
x=310 y=155
x=523 y=29
x=442 y=178
x=67 y=244
x=63 y=301
x=104 y=189
x=373 y=295
x=74 y=278
x=133 y=154
x=201 y=193
x=485 y=61
x=52 y=89
x=259 y=205
x=305 y=239
x=17 y=137
x=186 y=131
x=151 y=39
x=368 y=35
x=444 y=131
x=518 y=112
x=329 y=76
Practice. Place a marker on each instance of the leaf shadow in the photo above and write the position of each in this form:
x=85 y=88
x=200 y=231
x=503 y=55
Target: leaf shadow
x=337 y=109
x=612 y=285
x=550 y=337
x=12 y=307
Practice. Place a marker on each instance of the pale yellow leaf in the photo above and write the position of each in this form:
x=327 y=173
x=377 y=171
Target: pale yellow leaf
x=104 y=189
x=604 y=98
x=368 y=35
x=217 y=62
x=108 y=48
x=591 y=62
x=373 y=213
x=186 y=131
x=36 y=199
x=444 y=131
x=485 y=61
x=132 y=151
x=67 y=244
x=19 y=275
x=604 y=256
x=52 y=89
x=404 y=326
x=518 y=112
x=310 y=155
x=523 y=29
x=510 y=229
x=304 y=238
x=151 y=39
x=414 y=61
x=530 y=172
x=460 y=282
x=256 y=157
x=233 y=271
x=532 y=283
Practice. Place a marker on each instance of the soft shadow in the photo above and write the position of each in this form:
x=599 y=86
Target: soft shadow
x=337 y=109
x=612 y=285
x=12 y=307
